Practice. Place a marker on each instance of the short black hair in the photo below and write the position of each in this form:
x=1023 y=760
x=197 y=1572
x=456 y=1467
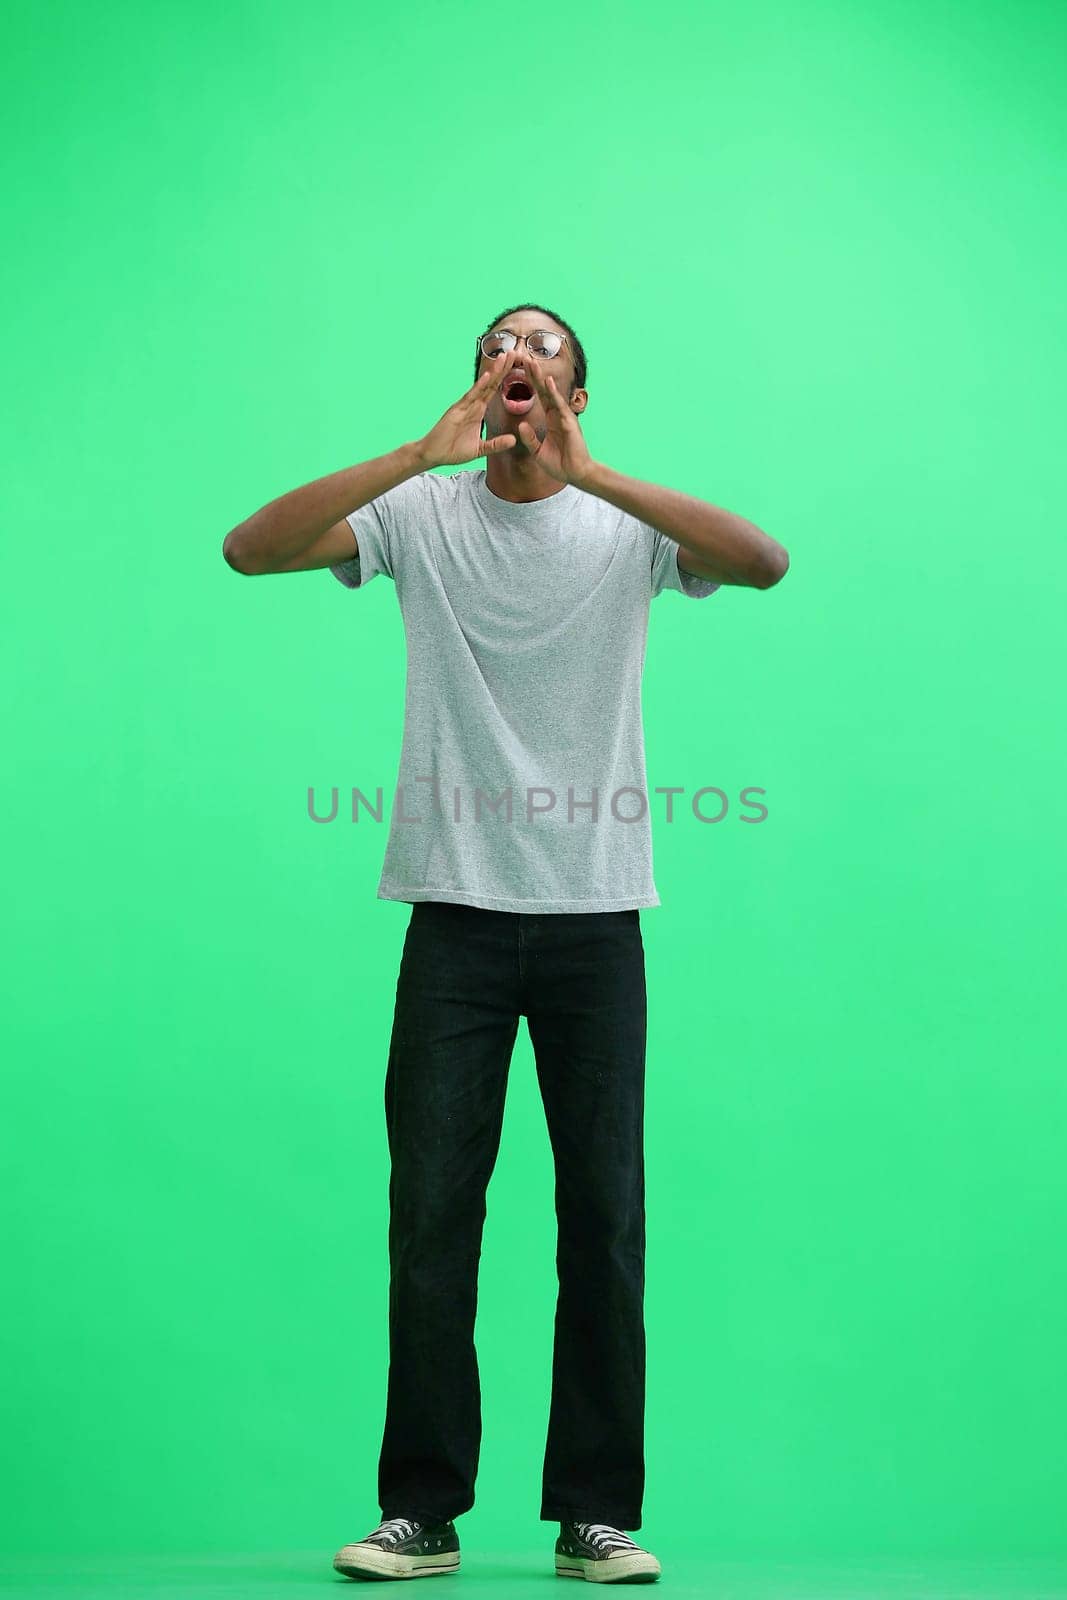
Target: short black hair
x=577 y=352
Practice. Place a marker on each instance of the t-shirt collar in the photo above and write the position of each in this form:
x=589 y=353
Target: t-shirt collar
x=524 y=510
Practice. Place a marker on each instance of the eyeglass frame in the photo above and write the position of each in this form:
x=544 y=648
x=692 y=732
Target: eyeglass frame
x=524 y=336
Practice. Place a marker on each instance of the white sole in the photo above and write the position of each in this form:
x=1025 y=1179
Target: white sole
x=613 y=1569
x=367 y=1561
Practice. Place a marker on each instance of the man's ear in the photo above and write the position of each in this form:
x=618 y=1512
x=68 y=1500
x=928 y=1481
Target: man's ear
x=579 y=400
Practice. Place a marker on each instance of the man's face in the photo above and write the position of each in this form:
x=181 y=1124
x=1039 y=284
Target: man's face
x=504 y=416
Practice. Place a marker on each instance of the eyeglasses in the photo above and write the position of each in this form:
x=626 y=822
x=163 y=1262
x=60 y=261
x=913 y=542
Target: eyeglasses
x=542 y=342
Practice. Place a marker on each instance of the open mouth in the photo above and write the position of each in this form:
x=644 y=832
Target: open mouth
x=518 y=397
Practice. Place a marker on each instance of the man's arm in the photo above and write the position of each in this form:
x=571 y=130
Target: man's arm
x=306 y=528
x=715 y=543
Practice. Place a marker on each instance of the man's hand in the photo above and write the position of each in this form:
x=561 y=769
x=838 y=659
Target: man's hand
x=563 y=451
x=457 y=437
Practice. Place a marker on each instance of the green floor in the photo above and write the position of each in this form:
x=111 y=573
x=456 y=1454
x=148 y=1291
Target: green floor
x=504 y=1574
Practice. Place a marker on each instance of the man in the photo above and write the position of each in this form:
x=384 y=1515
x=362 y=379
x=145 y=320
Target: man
x=525 y=591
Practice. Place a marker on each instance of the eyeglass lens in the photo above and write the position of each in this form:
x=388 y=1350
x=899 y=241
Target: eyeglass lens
x=542 y=343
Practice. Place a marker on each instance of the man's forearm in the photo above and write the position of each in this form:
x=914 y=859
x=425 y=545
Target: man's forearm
x=737 y=550
x=285 y=527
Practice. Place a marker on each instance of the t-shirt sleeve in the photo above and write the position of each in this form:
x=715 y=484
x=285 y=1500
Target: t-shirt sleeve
x=379 y=533
x=666 y=573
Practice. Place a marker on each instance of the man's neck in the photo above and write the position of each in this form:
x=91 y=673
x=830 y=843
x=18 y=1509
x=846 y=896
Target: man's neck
x=517 y=477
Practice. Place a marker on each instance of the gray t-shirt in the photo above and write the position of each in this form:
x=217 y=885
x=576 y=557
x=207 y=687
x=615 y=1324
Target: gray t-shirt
x=526 y=628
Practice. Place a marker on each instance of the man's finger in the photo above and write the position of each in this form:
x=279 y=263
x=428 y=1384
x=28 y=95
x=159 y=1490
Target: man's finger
x=547 y=392
x=496 y=366
x=501 y=441
x=536 y=377
x=491 y=378
x=557 y=398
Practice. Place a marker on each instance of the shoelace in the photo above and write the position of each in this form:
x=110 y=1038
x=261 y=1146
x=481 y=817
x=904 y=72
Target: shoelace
x=394 y=1528
x=602 y=1537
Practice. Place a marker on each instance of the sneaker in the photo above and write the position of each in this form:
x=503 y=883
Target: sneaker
x=401 y=1547
x=603 y=1554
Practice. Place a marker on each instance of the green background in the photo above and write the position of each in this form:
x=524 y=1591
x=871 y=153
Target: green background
x=815 y=255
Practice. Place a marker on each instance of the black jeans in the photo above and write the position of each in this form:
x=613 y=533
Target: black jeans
x=466 y=976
